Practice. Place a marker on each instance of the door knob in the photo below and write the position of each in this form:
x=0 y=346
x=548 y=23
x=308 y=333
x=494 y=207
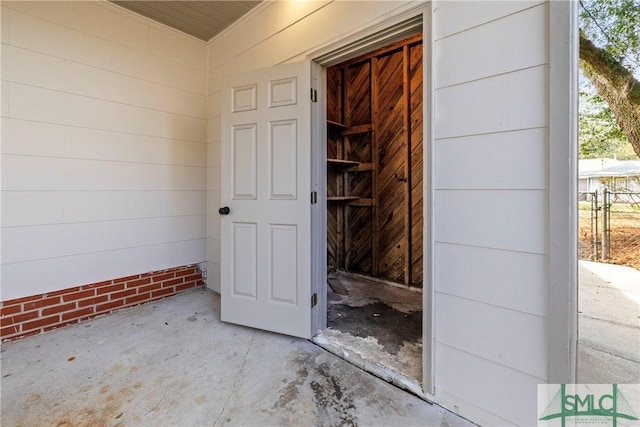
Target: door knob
x=224 y=211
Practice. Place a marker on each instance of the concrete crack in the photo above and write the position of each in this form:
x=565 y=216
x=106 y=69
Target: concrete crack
x=158 y=403
x=235 y=381
x=611 y=322
x=606 y=351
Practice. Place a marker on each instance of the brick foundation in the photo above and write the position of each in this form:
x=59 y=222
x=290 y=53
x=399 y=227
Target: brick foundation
x=35 y=314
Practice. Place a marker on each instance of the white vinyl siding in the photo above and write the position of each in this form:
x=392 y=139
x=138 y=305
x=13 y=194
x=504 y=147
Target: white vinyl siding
x=103 y=146
x=491 y=207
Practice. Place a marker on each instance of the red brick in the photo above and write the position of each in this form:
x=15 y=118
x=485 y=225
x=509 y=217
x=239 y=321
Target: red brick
x=58 y=308
x=63 y=291
x=9 y=330
x=41 y=303
x=92 y=301
x=137 y=298
x=97 y=285
x=126 y=279
x=21 y=300
x=165 y=276
x=162 y=292
x=172 y=282
x=111 y=288
x=79 y=295
x=151 y=287
x=138 y=282
x=77 y=313
x=186 y=272
x=18 y=318
x=12 y=309
x=123 y=294
x=185 y=286
x=193 y=277
x=109 y=306
x=40 y=323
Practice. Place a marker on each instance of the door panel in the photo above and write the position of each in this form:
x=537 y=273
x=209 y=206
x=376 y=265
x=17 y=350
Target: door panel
x=266 y=180
x=245 y=266
x=283 y=167
x=284 y=248
x=244 y=153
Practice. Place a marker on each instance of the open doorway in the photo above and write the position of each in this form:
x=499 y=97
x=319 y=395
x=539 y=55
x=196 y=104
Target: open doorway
x=374 y=184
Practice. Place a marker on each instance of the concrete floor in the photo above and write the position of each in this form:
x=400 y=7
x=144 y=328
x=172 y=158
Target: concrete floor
x=608 y=324
x=609 y=327
x=174 y=363
x=377 y=326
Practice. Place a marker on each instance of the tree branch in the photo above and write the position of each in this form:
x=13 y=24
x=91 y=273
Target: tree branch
x=617 y=86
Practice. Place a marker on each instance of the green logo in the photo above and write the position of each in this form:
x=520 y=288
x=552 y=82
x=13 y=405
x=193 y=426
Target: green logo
x=564 y=405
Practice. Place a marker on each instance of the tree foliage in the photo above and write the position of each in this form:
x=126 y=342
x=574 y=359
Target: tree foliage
x=600 y=136
x=614 y=25
x=610 y=58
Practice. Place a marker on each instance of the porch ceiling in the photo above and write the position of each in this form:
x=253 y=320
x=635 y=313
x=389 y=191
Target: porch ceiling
x=201 y=19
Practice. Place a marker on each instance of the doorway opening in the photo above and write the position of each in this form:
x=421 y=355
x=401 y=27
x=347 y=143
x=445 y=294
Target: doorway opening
x=374 y=183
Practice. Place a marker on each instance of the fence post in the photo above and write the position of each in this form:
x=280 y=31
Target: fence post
x=605 y=225
x=594 y=224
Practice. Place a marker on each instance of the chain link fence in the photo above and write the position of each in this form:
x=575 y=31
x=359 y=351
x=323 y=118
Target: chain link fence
x=609 y=227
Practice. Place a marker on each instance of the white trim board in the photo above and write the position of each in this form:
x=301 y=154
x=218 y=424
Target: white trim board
x=563 y=181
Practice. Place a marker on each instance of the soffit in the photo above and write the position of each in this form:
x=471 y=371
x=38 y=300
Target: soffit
x=201 y=19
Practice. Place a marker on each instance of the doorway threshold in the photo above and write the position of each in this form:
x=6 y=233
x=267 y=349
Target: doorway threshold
x=376 y=327
x=376 y=369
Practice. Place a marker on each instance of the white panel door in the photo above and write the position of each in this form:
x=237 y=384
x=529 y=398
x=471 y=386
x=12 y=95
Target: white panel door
x=266 y=183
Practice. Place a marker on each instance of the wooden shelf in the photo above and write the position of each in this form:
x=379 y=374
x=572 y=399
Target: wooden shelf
x=353 y=130
x=336 y=124
x=351 y=200
x=343 y=199
x=362 y=167
x=343 y=163
x=360 y=202
x=350 y=165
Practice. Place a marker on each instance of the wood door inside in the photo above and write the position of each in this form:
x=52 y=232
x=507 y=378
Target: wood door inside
x=375 y=169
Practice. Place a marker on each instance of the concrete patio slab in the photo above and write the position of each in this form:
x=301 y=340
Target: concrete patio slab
x=609 y=325
x=174 y=363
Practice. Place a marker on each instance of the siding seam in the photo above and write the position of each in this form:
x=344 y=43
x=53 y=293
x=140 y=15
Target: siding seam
x=105 y=251
x=541 y=3
x=504 y=73
x=502 y=365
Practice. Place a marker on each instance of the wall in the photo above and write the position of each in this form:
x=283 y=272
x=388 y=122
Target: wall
x=273 y=33
x=103 y=146
x=39 y=313
x=491 y=232
x=105 y=127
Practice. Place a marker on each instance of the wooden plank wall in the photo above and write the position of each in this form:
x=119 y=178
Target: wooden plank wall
x=358 y=147
x=382 y=90
x=417 y=166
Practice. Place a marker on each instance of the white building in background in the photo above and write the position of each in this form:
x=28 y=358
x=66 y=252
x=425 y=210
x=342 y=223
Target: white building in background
x=617 y=175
